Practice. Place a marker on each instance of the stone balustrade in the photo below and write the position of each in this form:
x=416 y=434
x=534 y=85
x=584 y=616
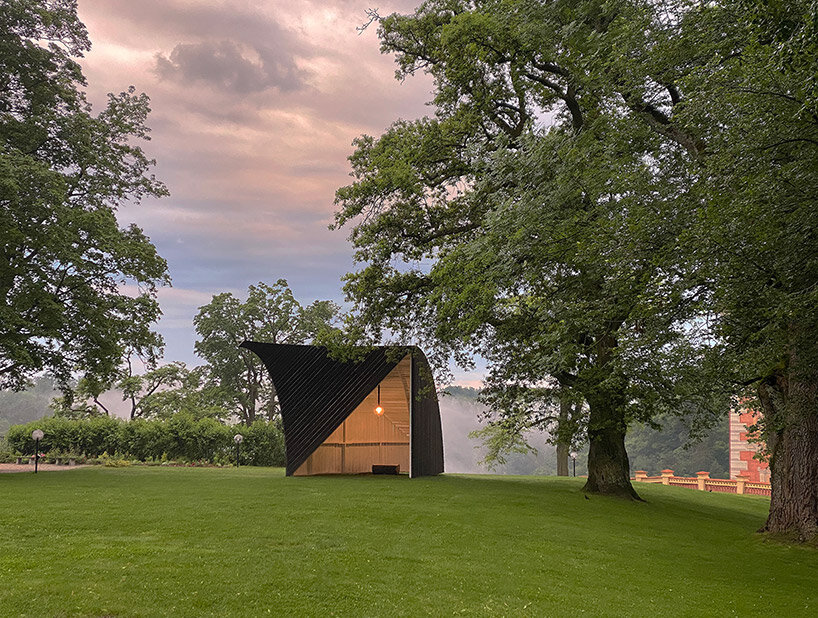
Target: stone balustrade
x=702 y=481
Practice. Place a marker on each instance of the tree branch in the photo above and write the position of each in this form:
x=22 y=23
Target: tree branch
x=662 y=124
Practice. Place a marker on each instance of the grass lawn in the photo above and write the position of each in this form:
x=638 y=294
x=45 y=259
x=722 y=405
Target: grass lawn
x=193 y=542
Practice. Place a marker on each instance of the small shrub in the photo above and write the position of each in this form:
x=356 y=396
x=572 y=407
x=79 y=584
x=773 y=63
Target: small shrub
x=263 y=444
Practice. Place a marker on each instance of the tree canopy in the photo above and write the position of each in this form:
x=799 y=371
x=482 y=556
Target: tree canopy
x=271 y=314
x=516 y=240
x=614 y=199
x=753 y=245
x=78 y=289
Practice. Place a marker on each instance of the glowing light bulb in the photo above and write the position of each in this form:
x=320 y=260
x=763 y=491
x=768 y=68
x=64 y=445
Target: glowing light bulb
x=379 y=409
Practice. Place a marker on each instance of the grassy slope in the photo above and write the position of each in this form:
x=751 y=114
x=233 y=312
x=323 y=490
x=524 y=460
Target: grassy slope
x=147 y=541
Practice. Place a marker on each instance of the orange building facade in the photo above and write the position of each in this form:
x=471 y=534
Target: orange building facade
x=742 y=451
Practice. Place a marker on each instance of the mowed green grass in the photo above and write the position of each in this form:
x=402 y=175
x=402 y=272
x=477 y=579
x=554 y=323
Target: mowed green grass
x=196 y=542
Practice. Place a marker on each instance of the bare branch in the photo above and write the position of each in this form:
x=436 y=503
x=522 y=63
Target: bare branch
x=372 y=16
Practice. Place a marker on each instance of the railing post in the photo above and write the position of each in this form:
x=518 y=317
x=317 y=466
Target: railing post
x=701 y=477
x=640 y=475
x=741 y=479
x=666 y=474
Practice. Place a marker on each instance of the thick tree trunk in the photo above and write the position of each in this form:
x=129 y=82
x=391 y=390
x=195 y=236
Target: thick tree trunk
x=608 y=466
x=794 y=478
x=790 y=405
x=562 y=460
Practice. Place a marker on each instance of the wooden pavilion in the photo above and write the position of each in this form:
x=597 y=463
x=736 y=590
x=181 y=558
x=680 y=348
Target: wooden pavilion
x=377 y=414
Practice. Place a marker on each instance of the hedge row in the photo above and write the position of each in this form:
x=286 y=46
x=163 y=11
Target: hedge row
x=180 y=438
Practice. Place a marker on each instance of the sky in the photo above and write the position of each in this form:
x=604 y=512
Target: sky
x=255 y=106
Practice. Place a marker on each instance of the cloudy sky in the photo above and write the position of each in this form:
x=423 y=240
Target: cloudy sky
x=255 y=105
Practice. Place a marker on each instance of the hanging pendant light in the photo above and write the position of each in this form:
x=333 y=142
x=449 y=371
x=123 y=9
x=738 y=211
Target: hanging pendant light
x=379 y=409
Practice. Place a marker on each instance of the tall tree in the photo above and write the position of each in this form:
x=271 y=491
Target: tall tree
x=520 y=240
x=76 y=288
x=270 y=314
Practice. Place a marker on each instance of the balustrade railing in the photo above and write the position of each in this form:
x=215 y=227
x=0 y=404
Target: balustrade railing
x=702 y=481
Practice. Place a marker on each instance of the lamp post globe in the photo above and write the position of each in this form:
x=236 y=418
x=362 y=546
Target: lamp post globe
x=574 y=459
x=238 y=439
x=37 y=434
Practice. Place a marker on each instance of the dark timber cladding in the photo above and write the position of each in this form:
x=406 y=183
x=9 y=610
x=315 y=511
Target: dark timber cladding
x=317 y=394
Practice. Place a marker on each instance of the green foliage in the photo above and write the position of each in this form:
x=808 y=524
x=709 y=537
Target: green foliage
x=270 y=314
x=64 y=173
x=263 y=444
x=501 y=439
x=159 y=393
x=6 y=454
x=171 y=389
x=146 y=440
x=749 y=74
x=181 y=438
x=113 y=462
x=91 y=437
x=82 y=401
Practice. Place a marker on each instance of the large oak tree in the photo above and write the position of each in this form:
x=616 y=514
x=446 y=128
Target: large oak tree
x=525 y=222
x=77 y=288
x=754 y=242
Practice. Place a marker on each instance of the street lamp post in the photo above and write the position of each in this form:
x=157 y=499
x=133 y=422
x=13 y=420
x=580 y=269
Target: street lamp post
x=237 y=439
x=574 y=459
x=37 y=434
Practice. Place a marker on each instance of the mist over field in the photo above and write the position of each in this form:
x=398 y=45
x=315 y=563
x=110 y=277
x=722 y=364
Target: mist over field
x=460 y=414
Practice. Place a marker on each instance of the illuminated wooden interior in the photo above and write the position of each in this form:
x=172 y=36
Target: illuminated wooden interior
x=364 y=438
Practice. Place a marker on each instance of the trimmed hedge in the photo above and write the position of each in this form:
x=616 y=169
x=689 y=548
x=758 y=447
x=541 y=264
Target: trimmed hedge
x=181 y=438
